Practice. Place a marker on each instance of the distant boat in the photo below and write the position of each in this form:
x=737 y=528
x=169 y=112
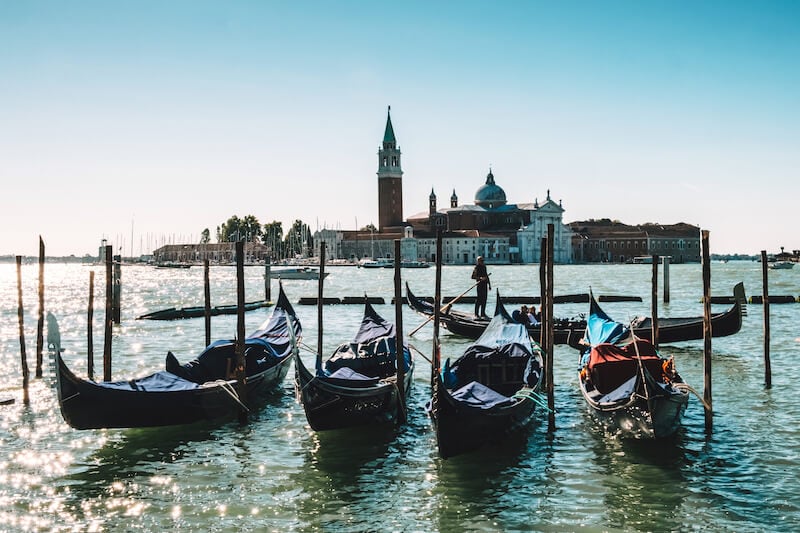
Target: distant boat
x=301 y=272
x=381 y=262
x=781 y=265
x=384 y=262
x=414 y=264
x=171 y=264
x=177 y=313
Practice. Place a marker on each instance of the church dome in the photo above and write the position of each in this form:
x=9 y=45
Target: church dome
x=490 y=195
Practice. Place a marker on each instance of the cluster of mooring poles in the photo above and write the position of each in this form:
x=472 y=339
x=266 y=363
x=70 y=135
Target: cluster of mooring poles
x=546 y=340
x=113 y=266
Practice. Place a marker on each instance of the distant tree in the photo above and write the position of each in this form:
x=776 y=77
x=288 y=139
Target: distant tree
x=205 y=236
x=272 y=237
x=298 y=239
x=370 y=227
x=240 y=229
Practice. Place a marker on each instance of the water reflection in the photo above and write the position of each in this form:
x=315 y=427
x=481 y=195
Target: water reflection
x=643 y=479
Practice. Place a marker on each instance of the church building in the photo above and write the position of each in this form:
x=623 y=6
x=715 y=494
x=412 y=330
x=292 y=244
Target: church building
x=502 y=233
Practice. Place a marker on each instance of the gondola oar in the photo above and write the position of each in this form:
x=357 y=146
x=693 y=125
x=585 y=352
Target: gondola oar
x=445 y=308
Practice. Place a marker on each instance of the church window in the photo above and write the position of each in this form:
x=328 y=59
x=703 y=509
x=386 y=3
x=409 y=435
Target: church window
x=394 y=160
x=385 y=160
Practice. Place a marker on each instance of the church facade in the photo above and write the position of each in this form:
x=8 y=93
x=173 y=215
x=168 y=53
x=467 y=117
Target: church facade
x=502 y=233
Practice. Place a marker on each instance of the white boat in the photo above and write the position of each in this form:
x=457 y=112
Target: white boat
x=299 y=272
x=381 y=262
x=389 y=263
x=781 y=265
x=414 y=264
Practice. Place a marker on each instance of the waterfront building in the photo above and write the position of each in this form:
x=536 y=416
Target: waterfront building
x=216 y=253
x=611 y=241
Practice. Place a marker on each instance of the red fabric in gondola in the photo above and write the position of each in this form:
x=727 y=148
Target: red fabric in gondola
x=610 y=365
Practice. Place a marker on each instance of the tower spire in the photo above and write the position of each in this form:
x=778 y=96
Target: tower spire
x=388 y=135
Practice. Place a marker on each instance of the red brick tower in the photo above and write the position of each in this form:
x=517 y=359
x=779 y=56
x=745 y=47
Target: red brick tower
x=390 y=181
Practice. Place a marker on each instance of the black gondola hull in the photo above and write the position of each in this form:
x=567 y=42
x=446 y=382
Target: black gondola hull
x=570 y=332
x=330 y=406
x=86 y=405
x=461 y=428
x=634 y=418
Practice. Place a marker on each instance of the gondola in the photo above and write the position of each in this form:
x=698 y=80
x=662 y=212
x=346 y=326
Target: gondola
x=629 y=388
x=566 y=330
x=491 y=391
x=357 y=384
x=570 y=331
x=178 y=313
x=199 y=390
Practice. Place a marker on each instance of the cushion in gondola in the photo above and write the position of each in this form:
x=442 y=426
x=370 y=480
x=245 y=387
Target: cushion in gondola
x=478 y=395
x=623 y=392
x=347 y=377
x=158 y=382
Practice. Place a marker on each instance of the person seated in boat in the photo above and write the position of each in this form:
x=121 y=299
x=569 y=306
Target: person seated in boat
x=534 y=317
x=521 y=315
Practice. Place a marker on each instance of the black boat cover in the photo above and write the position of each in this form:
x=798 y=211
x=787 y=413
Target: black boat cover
x=372 y=353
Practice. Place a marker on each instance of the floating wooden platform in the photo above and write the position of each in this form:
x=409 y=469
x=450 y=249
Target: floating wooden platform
x=786 y=299
x=773 y=299
x=567 y=298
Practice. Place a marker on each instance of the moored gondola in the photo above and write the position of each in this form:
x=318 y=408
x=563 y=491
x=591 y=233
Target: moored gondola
x=570 y=331
x=566 y=330
x=629 y=388
x=178 y=313
x=489 y=392
x=357 y=385
x=199 y=390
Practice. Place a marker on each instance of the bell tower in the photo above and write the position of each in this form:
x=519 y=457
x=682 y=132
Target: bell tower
x=390 y=180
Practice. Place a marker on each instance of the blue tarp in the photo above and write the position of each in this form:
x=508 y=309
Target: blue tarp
x=601 y=328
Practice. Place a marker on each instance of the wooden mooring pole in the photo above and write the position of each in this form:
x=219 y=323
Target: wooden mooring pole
x=240 y=332
x=116 y=304
x=268 y=279
x=40 y=325
x=207 y=300
x=709 y=413
x=549 y=348
x=109 y=314
x=399 y=340
x=21 y=317
x=542 y=292
x=666 y=261
x=320 y=304
x=654 y=303
x=765 y=299
x=90 y=329
x=437 y=310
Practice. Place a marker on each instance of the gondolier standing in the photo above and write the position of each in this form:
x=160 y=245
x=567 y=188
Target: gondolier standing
x=480 y=275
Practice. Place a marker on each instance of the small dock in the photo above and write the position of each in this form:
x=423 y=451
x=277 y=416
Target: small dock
x=377 y=300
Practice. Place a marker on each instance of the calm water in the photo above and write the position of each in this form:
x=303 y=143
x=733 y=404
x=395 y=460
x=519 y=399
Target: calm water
x=274 y=474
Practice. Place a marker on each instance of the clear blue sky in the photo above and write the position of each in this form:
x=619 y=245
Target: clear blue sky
x=138 y=121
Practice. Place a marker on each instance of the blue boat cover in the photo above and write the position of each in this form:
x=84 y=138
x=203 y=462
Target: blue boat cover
x=601 y=328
